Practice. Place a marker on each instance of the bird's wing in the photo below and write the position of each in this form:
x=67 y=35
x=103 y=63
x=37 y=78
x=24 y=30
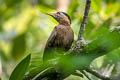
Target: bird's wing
x=49 y=43
x=51 y=39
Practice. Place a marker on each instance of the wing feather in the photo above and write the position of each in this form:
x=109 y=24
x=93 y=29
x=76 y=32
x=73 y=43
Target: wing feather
x=49 y=43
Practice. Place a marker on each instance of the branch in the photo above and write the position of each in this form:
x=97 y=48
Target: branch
x=77 y=73
x=95 y=73
x=81 y=42
x=41 y=73
x=87 y=75
x=82 y=28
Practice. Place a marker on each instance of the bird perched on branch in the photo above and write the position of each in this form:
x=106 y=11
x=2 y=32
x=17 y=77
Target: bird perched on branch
x=61 y=37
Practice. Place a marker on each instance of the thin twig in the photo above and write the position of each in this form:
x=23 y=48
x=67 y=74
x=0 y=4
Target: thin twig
x=87 y=75
x=78 y=73
x=95 y=73
x=38 y=75
x=82 y=28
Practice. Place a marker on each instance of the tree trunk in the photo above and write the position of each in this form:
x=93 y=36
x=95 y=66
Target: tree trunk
x=62 y=5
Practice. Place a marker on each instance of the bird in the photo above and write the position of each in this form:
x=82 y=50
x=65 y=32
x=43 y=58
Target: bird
x=61 y=38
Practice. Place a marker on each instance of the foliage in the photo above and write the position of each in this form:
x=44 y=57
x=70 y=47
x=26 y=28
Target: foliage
x=24 y=29
x=20 y=69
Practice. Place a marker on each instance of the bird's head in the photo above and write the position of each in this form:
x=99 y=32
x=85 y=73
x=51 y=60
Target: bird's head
x=61 y=17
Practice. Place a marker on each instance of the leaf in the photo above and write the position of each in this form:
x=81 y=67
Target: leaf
x=19 y=46
x=21 y=68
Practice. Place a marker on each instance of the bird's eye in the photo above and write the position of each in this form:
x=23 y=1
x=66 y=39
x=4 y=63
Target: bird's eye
x=58 y=12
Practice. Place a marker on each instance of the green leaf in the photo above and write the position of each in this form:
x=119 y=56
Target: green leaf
x=19 y=46
x=20 y=70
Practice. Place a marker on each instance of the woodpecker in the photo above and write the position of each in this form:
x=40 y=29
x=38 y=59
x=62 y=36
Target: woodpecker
x=61 y=37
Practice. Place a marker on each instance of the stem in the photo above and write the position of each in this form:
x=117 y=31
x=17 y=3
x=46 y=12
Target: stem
x=95 y=73
x=82 y=28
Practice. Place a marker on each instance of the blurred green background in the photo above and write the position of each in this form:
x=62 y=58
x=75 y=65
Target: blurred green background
x=24 y=29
